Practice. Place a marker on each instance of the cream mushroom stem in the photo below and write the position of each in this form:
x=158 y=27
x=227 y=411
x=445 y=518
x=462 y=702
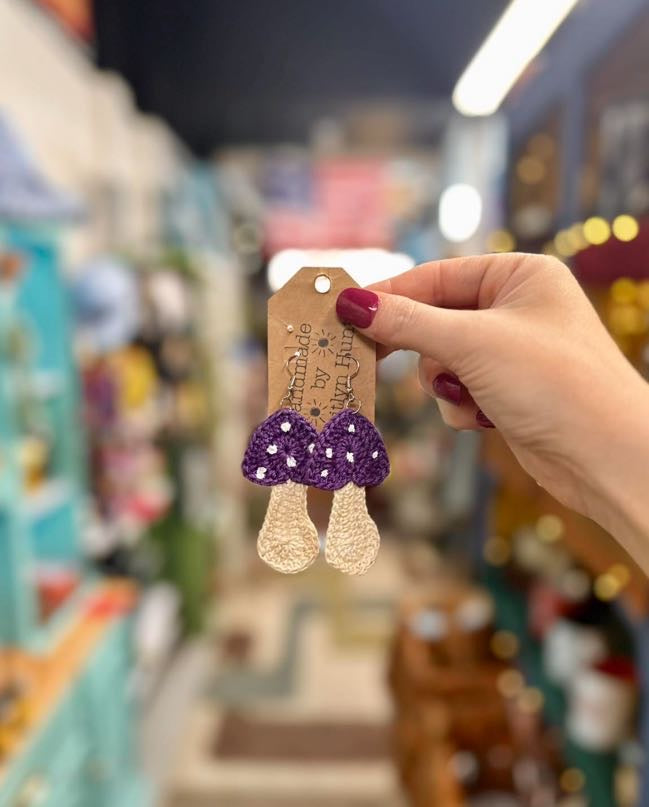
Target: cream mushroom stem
x=352 y=536
x=288 y=539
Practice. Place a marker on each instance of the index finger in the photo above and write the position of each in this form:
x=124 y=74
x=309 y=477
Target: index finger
x=448 y=283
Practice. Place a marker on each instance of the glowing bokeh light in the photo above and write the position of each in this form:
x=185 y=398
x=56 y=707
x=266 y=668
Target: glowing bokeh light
x=460 y=212
x=500 y=241
x=596 y=230
x=625 y=228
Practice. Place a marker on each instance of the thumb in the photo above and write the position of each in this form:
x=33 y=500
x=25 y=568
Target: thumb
x=401 y=323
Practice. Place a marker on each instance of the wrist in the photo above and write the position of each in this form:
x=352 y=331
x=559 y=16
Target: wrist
x=619 y=475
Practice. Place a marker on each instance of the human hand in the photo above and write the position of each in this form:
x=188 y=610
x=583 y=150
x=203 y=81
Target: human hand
x=511 y=341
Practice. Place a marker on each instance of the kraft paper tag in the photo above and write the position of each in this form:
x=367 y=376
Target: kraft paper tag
x=302 y=319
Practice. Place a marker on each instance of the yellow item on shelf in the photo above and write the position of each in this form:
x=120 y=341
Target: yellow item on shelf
x=191 y=404
x=136 y=376
x=33 y=457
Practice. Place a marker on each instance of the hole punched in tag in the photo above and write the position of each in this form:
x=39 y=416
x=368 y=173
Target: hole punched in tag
x=322 y=284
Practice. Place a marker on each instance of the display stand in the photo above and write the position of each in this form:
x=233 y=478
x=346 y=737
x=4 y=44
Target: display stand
x=66 y=726
x=39 y=523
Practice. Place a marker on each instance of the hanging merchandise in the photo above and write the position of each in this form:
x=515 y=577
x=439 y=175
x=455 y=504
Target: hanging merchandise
x=287 y=452
x=168 y=300
x=348 y=457
x=107 y=304
x=602 y=701
x=26 y=195
x=147 y=408
x=277 y=455
x=135 y=374
x=101 y=395
x=166 y=323
x=571 y=646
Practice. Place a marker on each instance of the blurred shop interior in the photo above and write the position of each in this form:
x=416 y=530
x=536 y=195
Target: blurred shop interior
x=164 y=168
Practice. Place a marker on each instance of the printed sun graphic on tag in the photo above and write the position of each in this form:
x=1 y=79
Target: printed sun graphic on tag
x=323 y=343
x=317 y=412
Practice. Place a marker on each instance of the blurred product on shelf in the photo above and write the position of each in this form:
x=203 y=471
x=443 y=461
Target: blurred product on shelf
x=147 y=411
x=156 y=632
x=585 y=599
x=54 y=585
x=571 y=646
x=460 y=702
x=602 y=702
x=52 y=648
x=25 y=193
x=106 y=440
x=106 y=303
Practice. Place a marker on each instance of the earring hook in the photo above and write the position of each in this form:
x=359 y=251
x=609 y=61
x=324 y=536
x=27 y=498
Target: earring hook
x=356 y=362
x=287 y=364
x=352 y=401
x=291 y=384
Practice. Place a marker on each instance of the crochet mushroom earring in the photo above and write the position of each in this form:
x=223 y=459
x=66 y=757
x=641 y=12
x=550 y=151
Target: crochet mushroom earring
x=277 y=456
x=349 y=456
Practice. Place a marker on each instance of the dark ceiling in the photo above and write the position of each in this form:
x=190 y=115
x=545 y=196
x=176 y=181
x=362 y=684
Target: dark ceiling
x=255 y=71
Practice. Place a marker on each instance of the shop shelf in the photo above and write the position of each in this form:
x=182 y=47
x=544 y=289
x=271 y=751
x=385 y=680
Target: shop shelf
x=46 y=383
x=48 y=497
x=511 y=615
x=589 y=544
x=47 y=635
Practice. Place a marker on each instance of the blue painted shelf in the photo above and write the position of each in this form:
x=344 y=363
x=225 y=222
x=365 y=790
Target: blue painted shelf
x=83 y=753
x=37 y=524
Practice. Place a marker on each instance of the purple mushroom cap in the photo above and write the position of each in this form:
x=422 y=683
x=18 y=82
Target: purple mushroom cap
x=349 y=449
x=279 y=449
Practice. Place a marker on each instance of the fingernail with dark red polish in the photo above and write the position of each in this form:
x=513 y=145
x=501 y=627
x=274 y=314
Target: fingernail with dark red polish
x=357 y=307
x=449 y=387
x=483 y=420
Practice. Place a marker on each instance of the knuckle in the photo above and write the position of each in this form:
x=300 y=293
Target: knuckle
x=557 y=267
x=546 y=263
x=404 y=319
